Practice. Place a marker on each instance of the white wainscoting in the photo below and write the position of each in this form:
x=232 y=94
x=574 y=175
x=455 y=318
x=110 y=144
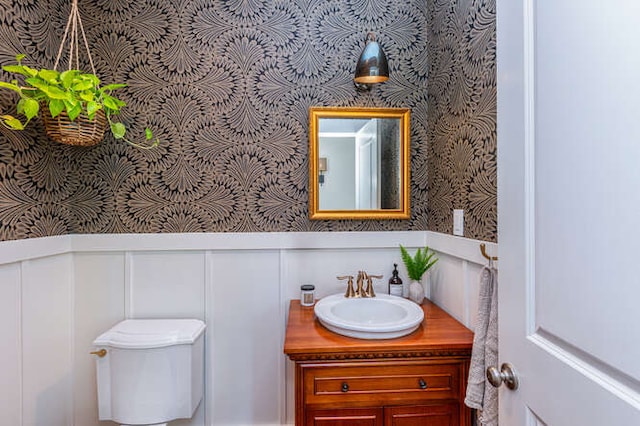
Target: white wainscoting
x=11 y=337
x=58 y=293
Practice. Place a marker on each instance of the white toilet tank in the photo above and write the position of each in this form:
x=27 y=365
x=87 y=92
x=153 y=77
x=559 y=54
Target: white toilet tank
x=153 y=370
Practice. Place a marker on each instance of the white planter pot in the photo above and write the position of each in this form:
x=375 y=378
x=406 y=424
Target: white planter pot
x=416 y=292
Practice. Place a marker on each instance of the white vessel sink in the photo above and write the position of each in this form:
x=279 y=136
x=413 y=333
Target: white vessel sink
x=380 y=317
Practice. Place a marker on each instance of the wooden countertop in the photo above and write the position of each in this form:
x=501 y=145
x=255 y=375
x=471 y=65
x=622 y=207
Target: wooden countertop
x=439 y=334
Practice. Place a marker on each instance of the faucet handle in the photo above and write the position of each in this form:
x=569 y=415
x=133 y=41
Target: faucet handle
x=362 y=276
x=350 y=291
x=369 y=290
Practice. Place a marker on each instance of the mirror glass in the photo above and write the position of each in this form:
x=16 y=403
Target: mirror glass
x=359 y=163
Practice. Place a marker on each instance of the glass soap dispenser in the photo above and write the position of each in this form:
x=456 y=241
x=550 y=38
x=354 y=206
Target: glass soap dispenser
x=395 y=283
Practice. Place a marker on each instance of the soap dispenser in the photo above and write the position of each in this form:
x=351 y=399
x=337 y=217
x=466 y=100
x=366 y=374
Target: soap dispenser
x=395 y=283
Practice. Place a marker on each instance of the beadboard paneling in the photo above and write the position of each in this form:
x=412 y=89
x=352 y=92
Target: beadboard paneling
x=472 y=280
x=320 y=267
x=65 y=300
x=248 y=334
x=47 y=339
x=99 y=302
x=447 y=283
x=167 y=285
x=11 y=353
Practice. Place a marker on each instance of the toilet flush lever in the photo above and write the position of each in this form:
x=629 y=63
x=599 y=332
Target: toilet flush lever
x=101 y=353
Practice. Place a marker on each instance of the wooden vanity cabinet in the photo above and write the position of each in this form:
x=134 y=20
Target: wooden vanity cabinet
x=419 y=379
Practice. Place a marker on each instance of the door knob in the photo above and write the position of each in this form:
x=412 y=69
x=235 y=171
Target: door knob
x=506 y=375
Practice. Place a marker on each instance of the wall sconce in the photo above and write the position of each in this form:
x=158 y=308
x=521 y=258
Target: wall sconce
x=372 y=66
x=322 y=167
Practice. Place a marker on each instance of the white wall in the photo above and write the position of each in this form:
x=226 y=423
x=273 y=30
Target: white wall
x=339 y=189
x=57 y=294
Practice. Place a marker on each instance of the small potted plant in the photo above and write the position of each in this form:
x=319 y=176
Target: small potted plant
x=74 y=107
x=416 y=268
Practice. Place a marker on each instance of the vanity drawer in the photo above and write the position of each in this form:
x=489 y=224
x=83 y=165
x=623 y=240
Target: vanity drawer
x=384 y=383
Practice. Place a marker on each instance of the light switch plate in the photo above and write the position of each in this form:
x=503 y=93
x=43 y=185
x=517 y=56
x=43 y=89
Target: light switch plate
x=458 y=222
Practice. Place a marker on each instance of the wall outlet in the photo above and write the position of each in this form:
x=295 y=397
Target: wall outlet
x=458 y=222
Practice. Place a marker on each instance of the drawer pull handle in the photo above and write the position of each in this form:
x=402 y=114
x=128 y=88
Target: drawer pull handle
x=345 y=387
x=422 y=383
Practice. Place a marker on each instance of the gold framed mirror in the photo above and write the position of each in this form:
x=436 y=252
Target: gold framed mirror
x=359 y=163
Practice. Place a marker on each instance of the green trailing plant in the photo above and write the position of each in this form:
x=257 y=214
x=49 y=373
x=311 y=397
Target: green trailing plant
x=419 y=263
x=72 y=92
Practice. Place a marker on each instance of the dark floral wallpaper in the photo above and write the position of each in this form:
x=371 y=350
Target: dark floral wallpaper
x=461 y=117
x=227 y=85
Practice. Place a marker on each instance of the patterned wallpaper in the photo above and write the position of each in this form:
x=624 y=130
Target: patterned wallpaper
x=389 y=134
x=461 y=116
x=226 y=85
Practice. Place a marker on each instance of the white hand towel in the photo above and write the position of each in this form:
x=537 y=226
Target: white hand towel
x=480 y=394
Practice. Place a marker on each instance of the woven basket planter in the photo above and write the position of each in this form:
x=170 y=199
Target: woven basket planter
x=80 y=132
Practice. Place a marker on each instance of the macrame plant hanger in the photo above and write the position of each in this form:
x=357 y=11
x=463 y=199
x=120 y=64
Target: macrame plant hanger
x=82 y=131
x=74 y=24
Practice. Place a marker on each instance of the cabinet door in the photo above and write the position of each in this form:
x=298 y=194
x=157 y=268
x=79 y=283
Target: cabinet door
x=422 y=415
x=345 y=417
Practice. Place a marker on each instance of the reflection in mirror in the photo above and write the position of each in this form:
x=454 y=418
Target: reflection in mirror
x=359 y=166
x=364 y=154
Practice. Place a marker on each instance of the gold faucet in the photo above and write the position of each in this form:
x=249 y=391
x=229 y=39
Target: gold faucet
x=362 y=275
x=360 y=290
x=368 y=292
x=350 y=291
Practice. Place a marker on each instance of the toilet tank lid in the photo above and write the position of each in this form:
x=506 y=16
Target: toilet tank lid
x=151 y=333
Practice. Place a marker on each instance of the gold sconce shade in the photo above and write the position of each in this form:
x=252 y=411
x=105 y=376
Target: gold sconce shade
x=322 y=164
x=322 y=168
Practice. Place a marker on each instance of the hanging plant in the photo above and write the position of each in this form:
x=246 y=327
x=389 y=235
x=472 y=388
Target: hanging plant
x=74 y=107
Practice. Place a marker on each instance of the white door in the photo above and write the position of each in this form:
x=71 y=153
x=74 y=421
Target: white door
x=569 y=210
x=367 y=170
